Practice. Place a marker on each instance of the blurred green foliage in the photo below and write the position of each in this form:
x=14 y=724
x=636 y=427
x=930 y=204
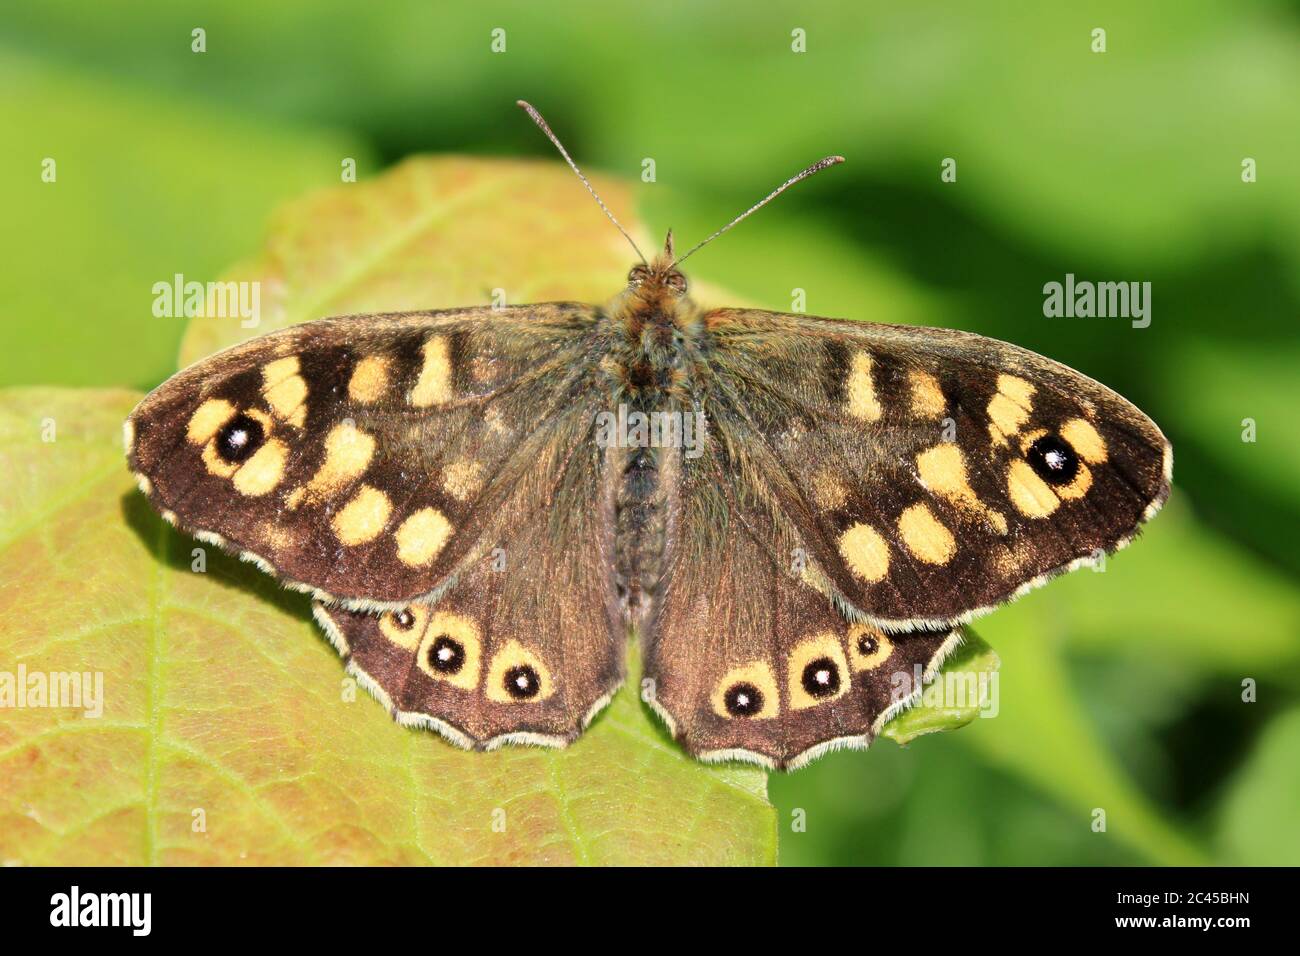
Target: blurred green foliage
x=1120 y=691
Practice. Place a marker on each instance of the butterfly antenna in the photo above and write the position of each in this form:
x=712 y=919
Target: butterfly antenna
x=541 y=124
x=816 y=167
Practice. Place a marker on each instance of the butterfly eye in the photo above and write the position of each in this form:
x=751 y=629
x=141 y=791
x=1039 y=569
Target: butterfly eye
x=638 y=275
x=1053 y=460
x=239 y=438
x=405 y=627
x=446 y=656
x=521 y=682
x=450 y=649
x=821 y=677
x=517 y=675
x=868 y=648
x=748 y=691
x=677 y=282
x=743 y=700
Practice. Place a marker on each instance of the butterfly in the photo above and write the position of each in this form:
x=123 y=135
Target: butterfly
x=795 y=515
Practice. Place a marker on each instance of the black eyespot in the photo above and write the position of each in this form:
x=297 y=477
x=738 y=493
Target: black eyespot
x=1053 y=460
x=404 y=619
x=743 y=700
x=821 y=677
x=521 y=682
x=867 y=645
x=446 y=656
x=239 y=438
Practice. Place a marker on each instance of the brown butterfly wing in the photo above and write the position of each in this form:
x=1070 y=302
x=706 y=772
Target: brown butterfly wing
x=866 y=482
x=915 y=463
x=367 y=458
x=526 y=646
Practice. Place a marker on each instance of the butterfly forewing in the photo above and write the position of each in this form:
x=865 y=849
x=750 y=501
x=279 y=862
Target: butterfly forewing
x=930 y=474
x=364 y=458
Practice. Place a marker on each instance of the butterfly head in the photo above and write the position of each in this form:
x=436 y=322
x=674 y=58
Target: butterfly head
x=660 y=278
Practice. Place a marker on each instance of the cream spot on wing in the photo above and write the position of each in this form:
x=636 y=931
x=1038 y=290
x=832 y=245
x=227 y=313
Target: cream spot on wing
x=1032 y=496
x=1083 y=438
x=828 y=490
x=758 y=675
x=862 y=401
x=926 y=536
x=865 y=552
x=275 y=537
x=1017 y=389
x=414 y=617
x=363 y=517
x=818 y=664
x=462 y=479
x=869 y=647
x=128 y=435
x=512 y=663
x=294 y=498
x=285 y=390
x=452 y=651
x=942 y=470
x=208 y=419
x=369 y=379
x=483 y=368
x=496 y=424
x=927 y=397
x=421 y=536
x=1078 y=487
x=1010 y=408
x=263 y=471
x=434 y=384
x=215 y=464
x=348 y=451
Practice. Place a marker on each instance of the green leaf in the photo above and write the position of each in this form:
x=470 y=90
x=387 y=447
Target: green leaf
x=231 y=730
x=223 y=706
x=433 y=233
x=964 y=687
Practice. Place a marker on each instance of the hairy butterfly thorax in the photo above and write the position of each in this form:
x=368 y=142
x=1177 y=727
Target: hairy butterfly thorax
x=656 y=329
x=796 y=514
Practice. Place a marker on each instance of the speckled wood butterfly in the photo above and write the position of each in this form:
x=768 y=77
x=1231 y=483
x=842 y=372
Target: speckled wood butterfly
x=485 y=502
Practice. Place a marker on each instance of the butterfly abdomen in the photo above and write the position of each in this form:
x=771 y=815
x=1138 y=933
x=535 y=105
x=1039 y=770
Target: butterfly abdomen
x=640 y=532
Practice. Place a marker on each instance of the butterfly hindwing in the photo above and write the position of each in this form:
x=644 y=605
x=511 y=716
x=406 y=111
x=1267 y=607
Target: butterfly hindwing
x=365 y=458
x=747 y=659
